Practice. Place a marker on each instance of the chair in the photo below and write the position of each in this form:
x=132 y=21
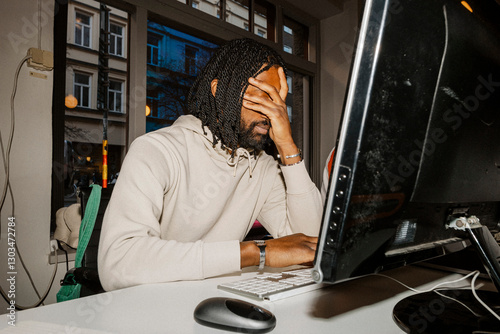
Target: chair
x=87 y=275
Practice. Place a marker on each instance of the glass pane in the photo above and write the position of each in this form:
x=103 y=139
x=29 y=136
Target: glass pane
x=82 y=19
x=168 y=83
x=119 y=48
x=207 y=6
x=237 y=13
x=264 y=19
x=78 y=34
x=115 y=29
x=118 y=102
x=85 y=97
x=111 y=98
x=83 y=134
x=82 y=78
x=297 y=104
x=86 y=36
x=112 y=44
x=295 y=38
x=115 y=85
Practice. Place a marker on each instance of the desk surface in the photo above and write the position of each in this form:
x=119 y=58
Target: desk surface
x=358 y=306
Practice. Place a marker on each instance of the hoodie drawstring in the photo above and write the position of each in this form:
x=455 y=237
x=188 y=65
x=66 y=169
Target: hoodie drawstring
x=240 y=152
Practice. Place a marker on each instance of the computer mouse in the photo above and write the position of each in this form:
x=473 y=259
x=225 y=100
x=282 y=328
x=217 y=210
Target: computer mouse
x=234 y=315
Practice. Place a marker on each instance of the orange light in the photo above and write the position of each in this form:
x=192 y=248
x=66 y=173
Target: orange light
x=70 y=101
x=148 y=110
x=466 y=5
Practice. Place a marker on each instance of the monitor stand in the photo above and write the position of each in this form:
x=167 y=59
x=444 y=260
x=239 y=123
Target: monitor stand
x=430 y=312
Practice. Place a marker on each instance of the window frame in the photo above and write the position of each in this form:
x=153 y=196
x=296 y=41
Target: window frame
x=83 y=86
x=116 y=36
x=89 y=26
x=114 y=92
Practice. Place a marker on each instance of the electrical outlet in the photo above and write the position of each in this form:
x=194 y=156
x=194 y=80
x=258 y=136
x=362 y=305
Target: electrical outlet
x=40 y=59
x=53 y=245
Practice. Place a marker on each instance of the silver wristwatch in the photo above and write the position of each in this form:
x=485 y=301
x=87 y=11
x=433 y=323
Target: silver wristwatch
x=262 y=247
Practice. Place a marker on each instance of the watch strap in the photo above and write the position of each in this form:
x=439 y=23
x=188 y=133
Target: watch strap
x=262 y=248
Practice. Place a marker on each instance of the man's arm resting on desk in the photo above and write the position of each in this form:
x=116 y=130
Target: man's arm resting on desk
x=281 y=252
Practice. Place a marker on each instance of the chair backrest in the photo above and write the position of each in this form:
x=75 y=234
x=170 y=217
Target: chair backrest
x=90 y=255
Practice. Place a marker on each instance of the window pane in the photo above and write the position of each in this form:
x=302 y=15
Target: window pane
x=78 y=34
x=210 y=7
x=83 y=134
x=82 y=78
x=112 y=44
x=295 y=38
x=82 y=19
x=169 y=80
x=264 y=19
x=115 y=29
x=237 y=13
x=86 y=36
x=297 y=104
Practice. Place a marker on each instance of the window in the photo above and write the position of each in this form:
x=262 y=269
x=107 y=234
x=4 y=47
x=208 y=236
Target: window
x=83 y=29
x=169 y=81
x=153 y=49
x=237 y=12
x=297 y=103
x=152 y=103
x=78 y=133
x=295 y=38
x=116 y=40
x=81 y=89
x=190 y=60
x=115 y=96
x=264 y=19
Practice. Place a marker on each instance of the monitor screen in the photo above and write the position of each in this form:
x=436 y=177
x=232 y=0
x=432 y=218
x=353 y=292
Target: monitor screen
x=419 y=143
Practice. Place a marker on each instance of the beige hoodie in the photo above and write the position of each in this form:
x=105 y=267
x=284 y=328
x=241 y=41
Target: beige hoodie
x=181 y=207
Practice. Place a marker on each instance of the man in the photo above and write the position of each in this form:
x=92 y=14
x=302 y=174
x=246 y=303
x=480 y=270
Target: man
x=188 y=194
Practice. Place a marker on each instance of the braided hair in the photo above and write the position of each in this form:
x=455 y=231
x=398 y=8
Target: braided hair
x=232 y=65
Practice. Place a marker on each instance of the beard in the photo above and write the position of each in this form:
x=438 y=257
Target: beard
x=248 y=139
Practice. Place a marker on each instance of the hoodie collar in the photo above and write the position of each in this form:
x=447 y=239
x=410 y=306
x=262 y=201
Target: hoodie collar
x=194 y=124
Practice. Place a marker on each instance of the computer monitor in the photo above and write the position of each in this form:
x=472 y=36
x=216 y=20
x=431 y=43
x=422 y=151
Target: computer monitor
x=418 y=152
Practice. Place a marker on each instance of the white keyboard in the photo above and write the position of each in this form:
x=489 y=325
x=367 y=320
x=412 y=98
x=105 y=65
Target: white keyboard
x=274 y=286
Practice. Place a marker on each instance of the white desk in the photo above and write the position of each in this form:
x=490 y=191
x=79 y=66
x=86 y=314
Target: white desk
x=358 y=306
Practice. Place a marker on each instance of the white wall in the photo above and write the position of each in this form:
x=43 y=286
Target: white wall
x=31 y=154
x=338 y=34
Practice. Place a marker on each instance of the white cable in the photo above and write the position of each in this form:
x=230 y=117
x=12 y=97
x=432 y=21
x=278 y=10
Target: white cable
x=474 y=274
x=479 y=299
x=431 y=289
x=6 y=162
x=6 y=154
